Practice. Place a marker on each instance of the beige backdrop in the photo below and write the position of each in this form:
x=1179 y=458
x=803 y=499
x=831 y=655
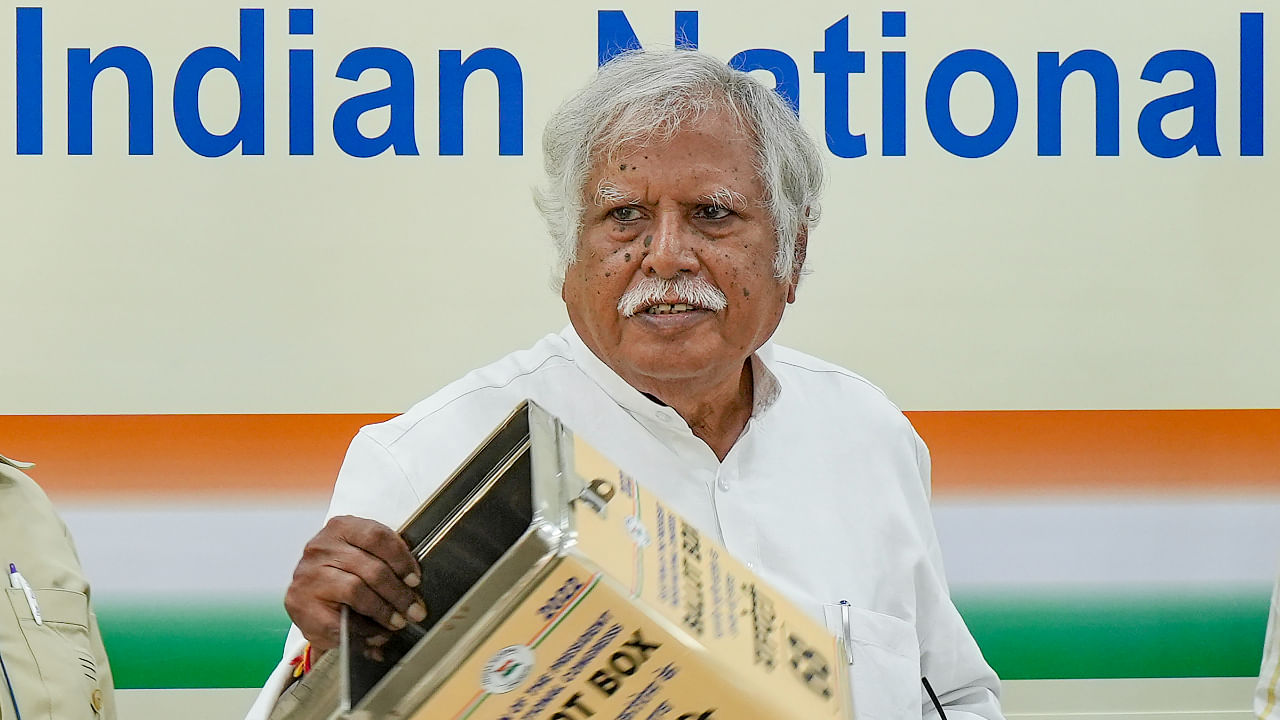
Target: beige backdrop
x=179 y=283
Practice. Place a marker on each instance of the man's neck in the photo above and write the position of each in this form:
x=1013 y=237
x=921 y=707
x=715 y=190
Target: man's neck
x=717 y=414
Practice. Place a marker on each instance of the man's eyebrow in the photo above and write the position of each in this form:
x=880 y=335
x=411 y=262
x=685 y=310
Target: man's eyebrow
x=725 y=198
x=607 y=192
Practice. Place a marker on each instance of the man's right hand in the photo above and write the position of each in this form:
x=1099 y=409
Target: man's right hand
x=364 y=565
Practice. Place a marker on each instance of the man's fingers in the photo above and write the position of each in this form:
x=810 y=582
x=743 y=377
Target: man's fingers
x=361 y=564
x=357 y=595
x=361 y=628
x=320 y=625
x=383 y=543
x=320 y=619
x=366 y=633
x=383 y=581
x=383 y=562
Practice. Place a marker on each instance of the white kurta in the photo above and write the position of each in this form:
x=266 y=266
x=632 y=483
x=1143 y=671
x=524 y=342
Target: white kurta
x=1266 y=698
x=824 y=495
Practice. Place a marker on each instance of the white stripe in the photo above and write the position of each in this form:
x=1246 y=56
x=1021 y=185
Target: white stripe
x=211 y=550
x=1137 y=541
x=251 y=549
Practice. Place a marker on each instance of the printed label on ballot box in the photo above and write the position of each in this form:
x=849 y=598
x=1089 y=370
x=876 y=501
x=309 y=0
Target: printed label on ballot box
x=645 y=619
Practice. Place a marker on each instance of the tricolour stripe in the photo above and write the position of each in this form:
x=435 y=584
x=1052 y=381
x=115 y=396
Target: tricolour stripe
x=1166 y=451
x=110 y=455
x=478 y=699
x=974 y=452
x=186 y=643
x=637 y=549
x=169 y=547
x=1151 y=541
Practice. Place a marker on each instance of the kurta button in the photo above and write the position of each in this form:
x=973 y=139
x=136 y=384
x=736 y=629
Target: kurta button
x=95 y=700
x=723 y=485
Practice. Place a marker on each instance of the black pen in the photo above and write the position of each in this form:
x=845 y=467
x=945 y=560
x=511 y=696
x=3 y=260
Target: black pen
x=13 y=698
x=937 y=705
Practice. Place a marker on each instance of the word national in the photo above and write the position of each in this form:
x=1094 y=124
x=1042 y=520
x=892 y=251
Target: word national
x=835 y=61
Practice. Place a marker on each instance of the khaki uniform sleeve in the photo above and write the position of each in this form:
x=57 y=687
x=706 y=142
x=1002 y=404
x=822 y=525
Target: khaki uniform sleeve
x=56 y=668
x=105 y=681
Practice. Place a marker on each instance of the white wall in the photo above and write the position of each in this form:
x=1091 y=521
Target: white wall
x=1161 y=699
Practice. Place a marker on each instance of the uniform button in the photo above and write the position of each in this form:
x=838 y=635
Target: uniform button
x=95 y=700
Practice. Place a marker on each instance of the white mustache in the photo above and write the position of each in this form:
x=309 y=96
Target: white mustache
x=651 y=290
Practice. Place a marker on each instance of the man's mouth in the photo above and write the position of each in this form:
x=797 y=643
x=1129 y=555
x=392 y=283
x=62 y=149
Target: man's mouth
x=669 y=309
x=653 y=295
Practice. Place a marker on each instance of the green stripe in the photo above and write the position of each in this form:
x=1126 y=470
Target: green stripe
x=192 y=645
x=1136 y=635
x=595 y=580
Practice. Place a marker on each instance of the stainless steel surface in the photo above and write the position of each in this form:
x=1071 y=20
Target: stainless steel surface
x=484 y=539
x=487 y=534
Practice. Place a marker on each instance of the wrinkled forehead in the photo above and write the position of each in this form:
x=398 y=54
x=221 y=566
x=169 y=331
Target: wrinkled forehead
x=609 y=149
x=641 y=126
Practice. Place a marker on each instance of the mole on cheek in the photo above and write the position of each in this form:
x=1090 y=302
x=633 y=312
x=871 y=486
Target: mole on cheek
x=746 y=292
x=627 y=257
x=607 y=274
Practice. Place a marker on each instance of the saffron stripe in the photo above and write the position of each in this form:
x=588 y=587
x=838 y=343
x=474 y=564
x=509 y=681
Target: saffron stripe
x=472 y=705
x=111 y=455
x=974 y=452
x=564 y=611
x=1103 y=451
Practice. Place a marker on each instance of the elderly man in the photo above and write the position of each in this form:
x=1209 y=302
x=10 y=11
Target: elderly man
x=680 y=196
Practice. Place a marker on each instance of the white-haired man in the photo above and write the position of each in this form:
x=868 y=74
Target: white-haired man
x=680 y=196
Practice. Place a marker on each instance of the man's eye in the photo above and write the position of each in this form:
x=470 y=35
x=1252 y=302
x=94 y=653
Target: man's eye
x=624 y=214
x=714 y=212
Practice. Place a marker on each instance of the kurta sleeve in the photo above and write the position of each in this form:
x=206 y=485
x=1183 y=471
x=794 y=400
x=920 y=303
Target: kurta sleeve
x=371 y=485
x=950 y=659
x=1266 y=698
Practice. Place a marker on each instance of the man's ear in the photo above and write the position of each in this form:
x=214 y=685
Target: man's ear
x=797 y=267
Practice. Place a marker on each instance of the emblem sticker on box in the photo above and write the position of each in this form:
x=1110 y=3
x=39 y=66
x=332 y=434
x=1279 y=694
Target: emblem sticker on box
x=635 y=528
x=507 y=669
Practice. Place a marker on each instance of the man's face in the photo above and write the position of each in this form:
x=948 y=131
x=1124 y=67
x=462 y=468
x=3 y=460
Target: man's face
x=692 y=207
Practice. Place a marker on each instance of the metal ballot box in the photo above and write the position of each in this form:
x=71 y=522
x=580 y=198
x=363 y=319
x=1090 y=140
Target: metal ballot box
x=560 y=590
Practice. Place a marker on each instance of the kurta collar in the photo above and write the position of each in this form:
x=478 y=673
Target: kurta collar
x=765 y=393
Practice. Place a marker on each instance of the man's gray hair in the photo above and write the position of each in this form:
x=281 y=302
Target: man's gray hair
x=646 y=96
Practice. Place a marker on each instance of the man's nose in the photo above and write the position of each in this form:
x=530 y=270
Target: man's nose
x=671 y=251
